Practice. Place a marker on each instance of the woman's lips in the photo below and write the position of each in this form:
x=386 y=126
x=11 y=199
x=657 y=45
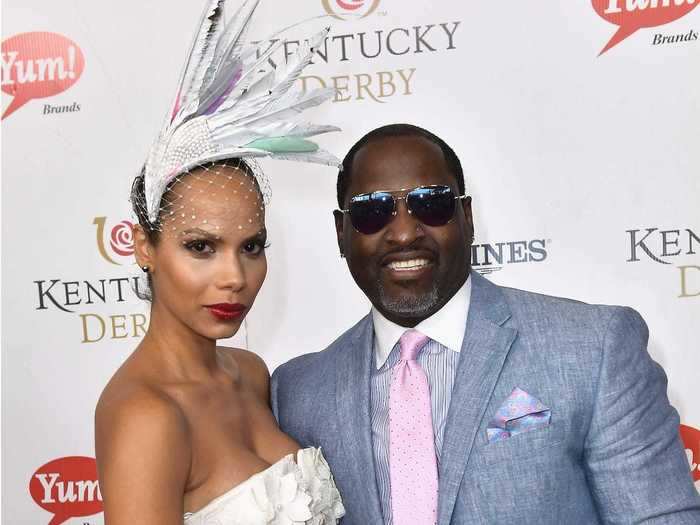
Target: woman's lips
x=227 y=311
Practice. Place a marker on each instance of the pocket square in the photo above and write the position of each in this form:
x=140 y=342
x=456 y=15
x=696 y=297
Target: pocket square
x=519 y=413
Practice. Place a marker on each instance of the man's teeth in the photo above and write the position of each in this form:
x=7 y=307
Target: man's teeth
x=412 y=264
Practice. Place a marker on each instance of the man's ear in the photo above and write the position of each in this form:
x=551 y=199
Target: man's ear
x=143 y=249
x=339 y=219
x=467 y=207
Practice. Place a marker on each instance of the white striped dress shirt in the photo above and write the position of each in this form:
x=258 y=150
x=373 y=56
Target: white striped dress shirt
x=438 y=358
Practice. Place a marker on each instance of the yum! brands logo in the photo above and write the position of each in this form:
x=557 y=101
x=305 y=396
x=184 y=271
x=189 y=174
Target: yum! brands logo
x=346 y=9
x=631 y=15
x=67 y=488
x=118 y=244
x=39 y=65
x=691 y=441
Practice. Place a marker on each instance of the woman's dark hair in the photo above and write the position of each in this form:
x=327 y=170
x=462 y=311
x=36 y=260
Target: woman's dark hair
x=151 y=228
x=138 y=194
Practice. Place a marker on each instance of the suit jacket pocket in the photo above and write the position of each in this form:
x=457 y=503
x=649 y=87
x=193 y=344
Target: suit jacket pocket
x=521 y=446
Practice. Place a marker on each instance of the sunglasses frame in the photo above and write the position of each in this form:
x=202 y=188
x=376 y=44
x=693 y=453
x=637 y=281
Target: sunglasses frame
x=405 y=192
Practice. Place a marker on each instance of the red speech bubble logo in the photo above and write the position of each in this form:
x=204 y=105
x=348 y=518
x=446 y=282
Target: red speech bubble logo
x=691 y=441
x=38 y=65
x=67 y=488
x=631 y=15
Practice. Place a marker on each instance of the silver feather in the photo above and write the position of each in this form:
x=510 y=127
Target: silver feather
x=200 y=56
x=286 y=76
x=230 y=97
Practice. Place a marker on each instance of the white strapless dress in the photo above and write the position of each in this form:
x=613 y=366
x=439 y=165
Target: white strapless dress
x=287 y=493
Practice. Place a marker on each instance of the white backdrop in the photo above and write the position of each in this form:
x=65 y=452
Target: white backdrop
x=591 y=160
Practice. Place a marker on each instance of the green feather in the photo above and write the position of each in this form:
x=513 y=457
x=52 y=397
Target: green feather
x=284 y=145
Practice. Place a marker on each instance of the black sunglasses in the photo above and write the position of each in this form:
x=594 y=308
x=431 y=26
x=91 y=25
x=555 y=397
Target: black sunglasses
x=432 y=205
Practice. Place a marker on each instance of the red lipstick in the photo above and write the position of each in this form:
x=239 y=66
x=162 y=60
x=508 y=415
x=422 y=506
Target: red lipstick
x=227 y=311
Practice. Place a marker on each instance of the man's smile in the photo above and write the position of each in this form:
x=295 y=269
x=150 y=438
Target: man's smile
x=407 y=265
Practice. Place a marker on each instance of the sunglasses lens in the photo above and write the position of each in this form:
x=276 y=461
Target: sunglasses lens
x=370 y=212
x=433 y=206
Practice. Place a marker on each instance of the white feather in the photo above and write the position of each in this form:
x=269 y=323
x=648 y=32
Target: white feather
x=216 y=117
x=201 y=54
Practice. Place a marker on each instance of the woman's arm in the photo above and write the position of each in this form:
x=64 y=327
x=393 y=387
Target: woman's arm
x=143 y=456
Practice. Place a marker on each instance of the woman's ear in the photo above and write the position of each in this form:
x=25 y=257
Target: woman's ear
x=143 y=249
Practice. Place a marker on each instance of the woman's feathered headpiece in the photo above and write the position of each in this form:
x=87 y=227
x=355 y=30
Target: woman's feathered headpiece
x=231 y=103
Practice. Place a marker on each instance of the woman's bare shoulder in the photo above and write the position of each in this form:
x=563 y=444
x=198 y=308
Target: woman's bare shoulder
x=252 y=368
x=139 y=428
x=129 y=405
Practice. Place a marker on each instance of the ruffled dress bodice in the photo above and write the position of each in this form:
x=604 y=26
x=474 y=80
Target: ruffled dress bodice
x=287 y=493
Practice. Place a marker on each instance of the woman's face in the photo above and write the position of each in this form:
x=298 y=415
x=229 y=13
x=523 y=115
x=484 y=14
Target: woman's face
x=209 y=262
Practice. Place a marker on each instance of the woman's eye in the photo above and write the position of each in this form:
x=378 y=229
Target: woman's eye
x=199 y=247
x=254 y=247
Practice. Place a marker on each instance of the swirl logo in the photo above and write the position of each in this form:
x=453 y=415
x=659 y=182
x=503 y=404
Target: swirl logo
x=121 y=240
x=347 y=9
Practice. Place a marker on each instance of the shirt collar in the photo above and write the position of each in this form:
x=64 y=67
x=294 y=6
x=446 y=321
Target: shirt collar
x=446 y=326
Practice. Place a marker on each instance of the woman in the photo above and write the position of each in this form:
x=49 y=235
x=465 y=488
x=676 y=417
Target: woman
x=184 y=429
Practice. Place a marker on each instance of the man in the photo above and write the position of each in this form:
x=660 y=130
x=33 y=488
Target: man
x=459 y=401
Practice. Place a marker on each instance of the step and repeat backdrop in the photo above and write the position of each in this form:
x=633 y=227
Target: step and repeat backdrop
x=577 y=125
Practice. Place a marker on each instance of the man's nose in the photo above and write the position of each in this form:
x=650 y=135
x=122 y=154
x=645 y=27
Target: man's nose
x=404 y=229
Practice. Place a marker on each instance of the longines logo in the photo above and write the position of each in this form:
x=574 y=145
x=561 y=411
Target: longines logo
x=344 y=9
x=632 y=15
x=666 y=247
x=39 y=65
x=72 y=295
x=488 y=258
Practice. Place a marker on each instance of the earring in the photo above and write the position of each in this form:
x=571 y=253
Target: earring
x=145 y=268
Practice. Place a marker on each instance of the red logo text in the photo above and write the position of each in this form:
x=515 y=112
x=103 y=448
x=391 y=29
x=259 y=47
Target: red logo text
x=38 y=65
x=691 y=441
x=67 y=488
x=631 y=15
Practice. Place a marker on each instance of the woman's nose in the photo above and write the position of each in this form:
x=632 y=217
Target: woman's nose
x=231 y=274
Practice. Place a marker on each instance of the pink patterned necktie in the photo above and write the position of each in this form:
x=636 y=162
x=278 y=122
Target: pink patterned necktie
x=412 y=462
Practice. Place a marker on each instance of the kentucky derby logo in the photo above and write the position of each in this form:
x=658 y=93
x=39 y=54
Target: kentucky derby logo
x=67 y=488
x=676 y=247
x=119 y=243
x=631 y=15
x=38 y=65
x=347 y=9
x=691 y=441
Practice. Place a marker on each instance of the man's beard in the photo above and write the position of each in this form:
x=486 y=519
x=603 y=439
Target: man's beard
x=412 y=307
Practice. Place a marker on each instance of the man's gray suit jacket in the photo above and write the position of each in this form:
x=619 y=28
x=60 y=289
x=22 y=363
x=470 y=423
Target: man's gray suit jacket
x=611 y=453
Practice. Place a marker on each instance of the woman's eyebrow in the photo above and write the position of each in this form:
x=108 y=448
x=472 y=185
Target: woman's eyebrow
x=199 y=231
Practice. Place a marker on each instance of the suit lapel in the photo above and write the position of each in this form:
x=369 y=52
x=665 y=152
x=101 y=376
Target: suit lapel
x=484 y=350
x=353 y=402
